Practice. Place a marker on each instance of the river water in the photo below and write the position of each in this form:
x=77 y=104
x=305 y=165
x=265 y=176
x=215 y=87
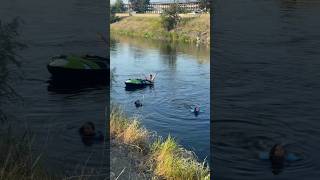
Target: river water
x=266 y=87
x=54 y=114
x=183 y=80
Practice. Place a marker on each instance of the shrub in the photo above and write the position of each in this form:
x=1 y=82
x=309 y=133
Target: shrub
x=140 y=6
x=170 y=17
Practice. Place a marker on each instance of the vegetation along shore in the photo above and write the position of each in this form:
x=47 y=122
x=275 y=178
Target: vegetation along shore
x=176 y=21
x=147 y=155
x=189 y=28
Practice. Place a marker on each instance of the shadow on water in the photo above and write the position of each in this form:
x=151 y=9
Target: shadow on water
x=139 y=88
x=70 y=87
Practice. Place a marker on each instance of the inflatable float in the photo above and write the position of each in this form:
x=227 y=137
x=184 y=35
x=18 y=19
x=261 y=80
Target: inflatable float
x=78 y=67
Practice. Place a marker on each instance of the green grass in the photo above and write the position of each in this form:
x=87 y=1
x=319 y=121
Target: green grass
x=189 y=29
x=168 y=160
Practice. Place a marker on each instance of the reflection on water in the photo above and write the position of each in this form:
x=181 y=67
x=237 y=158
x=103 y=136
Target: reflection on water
x=200 y=53
x=266 y=87
x=183 y=78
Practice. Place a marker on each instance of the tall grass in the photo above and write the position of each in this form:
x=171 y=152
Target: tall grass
x=17 y=161
x=189 y=29
x=128 y=130
x=168 y=160
x=174 y=162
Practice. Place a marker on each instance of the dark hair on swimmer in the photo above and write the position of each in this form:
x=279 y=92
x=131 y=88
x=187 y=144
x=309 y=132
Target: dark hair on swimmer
x=272 y=150
x=272 y=156
x=87 y=123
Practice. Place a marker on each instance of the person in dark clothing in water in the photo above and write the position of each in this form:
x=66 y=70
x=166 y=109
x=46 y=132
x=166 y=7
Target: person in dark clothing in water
x=89 y=135
x=277 y=156
x=196 y=110
x=138 y=103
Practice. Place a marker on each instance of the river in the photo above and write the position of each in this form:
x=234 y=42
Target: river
x=54 y=114
x=266 y=87
x=182 y=80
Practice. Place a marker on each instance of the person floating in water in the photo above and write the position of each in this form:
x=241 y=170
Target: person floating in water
x=138 y=103
x=278 y=156
x=196 y=110
x=89 y=135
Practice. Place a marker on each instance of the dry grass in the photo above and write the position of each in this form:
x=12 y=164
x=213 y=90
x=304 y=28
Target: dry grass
x=18 y=162
x=190 y=29
x=168 y=160
x=128 y=130
x=174 y=162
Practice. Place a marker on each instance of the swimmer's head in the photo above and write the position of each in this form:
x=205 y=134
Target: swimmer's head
x=277 y=152
x=197 y=109
x=138 y=103
x=87 y=129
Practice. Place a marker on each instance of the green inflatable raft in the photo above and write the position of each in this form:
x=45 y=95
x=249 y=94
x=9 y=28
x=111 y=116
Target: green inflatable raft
x=78 y=67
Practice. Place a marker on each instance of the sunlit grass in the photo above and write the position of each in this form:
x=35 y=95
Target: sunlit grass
x=128 y=130
x=168 y=160
x=174 y=162
x=189 y=29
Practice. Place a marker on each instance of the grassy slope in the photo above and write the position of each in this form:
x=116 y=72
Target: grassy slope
x=188 y=30
x=166 y=158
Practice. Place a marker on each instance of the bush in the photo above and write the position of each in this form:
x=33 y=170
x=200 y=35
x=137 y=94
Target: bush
x=170 y=17
x=113 y=17
x=140 y=6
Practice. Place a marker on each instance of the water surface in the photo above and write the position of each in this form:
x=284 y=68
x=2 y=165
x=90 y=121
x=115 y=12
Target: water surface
x=266 y=87
x=183 y=80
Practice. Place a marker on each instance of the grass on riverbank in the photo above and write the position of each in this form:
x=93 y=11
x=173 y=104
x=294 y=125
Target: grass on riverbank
x=17 y=161
x=128 y=130
x=174 y=162
x=168 y=159
x=189 y=29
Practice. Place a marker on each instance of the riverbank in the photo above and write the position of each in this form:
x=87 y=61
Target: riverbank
x=191 y=28
x=20 y=162
x=17 y=160
x=137 y=151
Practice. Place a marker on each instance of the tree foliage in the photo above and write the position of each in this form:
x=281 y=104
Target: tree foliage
x=118 y=7
x=140 y=6
x=204 y=4
x=9 y=44
x=170 y=17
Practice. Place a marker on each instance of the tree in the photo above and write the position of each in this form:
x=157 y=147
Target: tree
x=9 y=45
x=140 y=6
x=204 y=4
x=170 y=17
x=118 y=6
